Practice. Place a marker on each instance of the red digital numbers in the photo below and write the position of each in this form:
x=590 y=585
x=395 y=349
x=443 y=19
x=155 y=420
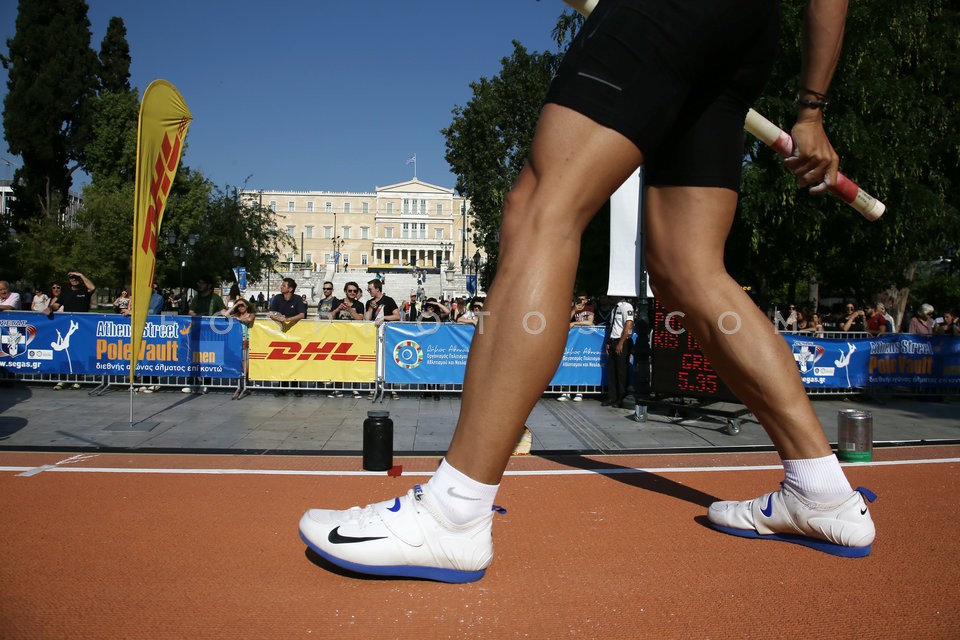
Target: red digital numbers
x=679 y=365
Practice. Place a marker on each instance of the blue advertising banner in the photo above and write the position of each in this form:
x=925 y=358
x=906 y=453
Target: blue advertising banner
x=437 y=354
x=584 y=360
x=99 y=344
x=893 y=360
x=427 y=353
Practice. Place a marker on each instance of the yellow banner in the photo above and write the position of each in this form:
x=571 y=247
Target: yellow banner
x=161 y=130
x=314 y=351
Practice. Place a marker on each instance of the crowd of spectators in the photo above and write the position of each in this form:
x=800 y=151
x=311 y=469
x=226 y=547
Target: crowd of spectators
x=870 y=317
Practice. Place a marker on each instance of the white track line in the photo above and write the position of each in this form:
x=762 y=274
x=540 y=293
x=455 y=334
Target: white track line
x=32 y=471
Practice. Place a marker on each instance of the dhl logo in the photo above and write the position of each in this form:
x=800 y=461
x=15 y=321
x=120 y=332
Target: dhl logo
x=336 y=351
x=164 y=169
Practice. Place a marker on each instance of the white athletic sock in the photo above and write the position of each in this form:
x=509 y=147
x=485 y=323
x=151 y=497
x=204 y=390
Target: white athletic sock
x=461 y=499
x=817 y=479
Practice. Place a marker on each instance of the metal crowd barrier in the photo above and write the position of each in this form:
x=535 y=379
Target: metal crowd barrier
x=377 y=388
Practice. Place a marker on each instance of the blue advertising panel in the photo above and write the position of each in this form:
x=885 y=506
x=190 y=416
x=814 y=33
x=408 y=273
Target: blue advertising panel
x=893 y=360
x=584 y=361
x=437 y=354
x=99 y=344
x=426 y=353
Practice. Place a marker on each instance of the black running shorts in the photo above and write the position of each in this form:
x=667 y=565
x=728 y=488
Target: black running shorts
x=676 y=77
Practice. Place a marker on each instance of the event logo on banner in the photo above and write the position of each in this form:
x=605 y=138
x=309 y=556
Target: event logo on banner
x=161 y=131
x=314 y=350
x=99 y=344
x=437 y=354
x=408 y=354
x=891 y=360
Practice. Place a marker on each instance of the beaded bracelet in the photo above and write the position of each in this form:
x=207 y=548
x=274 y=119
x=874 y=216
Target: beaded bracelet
x=819 y=103
x=820 y=96
x=812 y=104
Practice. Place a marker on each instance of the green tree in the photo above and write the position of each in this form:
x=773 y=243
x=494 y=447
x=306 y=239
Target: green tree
x=894 y=118
x=52 y=76
x=115 y=58
x=103 y=246
x=47 y=250
x=568 y=24
x=98 y=241
x=220 y=222
x=109 y=156
x=489 y=139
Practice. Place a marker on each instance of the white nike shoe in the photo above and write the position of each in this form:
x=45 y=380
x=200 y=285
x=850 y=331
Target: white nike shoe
x=406 y=536
x=842 y=528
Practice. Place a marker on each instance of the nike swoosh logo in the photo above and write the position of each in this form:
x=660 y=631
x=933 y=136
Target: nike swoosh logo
x=863 y=511
x=767 y=510
x=396 y=505
x=336 y=538
x=454 y=494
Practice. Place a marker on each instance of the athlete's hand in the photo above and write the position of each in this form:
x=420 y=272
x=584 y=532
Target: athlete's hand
x=814 y=161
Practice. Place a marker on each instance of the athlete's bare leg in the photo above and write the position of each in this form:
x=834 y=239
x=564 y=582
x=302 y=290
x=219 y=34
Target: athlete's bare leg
x=574 y=166
x=686 y=229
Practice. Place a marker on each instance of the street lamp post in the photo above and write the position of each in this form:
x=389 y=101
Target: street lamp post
x=239 y=253
x=463 y=238
x=444 y=264
x=444 y=248
x=338 y=243
x=185 y=250
x=271 y=261
x=477 y=261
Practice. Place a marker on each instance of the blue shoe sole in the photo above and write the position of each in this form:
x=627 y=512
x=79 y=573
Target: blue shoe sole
x=453 y=576
x=820 y=545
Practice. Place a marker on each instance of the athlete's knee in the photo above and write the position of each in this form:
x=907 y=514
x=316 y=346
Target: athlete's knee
x=679 y=280
x=531 y=214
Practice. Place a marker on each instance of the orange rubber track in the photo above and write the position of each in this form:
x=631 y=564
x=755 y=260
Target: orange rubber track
x=135 y=550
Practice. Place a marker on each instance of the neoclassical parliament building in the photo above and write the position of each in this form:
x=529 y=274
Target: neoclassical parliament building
x=409 y=223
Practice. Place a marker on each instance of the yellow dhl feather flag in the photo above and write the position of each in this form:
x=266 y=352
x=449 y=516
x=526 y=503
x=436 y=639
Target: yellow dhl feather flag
x=161 y=131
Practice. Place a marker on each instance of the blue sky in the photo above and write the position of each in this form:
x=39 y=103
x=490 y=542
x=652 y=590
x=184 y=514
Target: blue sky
x=317 y=95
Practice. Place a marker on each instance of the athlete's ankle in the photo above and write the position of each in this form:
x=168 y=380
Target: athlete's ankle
x=817 y=479
x=461 y=499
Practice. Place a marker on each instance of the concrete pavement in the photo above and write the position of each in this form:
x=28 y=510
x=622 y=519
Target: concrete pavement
x=35 y=416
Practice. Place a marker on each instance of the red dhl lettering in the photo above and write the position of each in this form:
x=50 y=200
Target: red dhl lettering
x=163 y=168
x=337 y=351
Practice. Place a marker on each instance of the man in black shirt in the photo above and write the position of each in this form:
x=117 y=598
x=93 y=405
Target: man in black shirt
x=76 y=297
x=380 y=308
x=327 y=304
x=286 y=308
x=349 y=308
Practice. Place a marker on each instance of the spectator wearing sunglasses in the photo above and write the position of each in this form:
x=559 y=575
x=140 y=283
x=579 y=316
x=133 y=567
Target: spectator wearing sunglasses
x=433 y=311
x=244 y=312
x=329 y=302
x=581 y=314
x=472 y=315
x=40 y=300
x=350 y=308
x=76 y=298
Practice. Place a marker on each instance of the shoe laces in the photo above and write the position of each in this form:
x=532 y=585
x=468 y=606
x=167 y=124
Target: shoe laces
x=365 y=516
